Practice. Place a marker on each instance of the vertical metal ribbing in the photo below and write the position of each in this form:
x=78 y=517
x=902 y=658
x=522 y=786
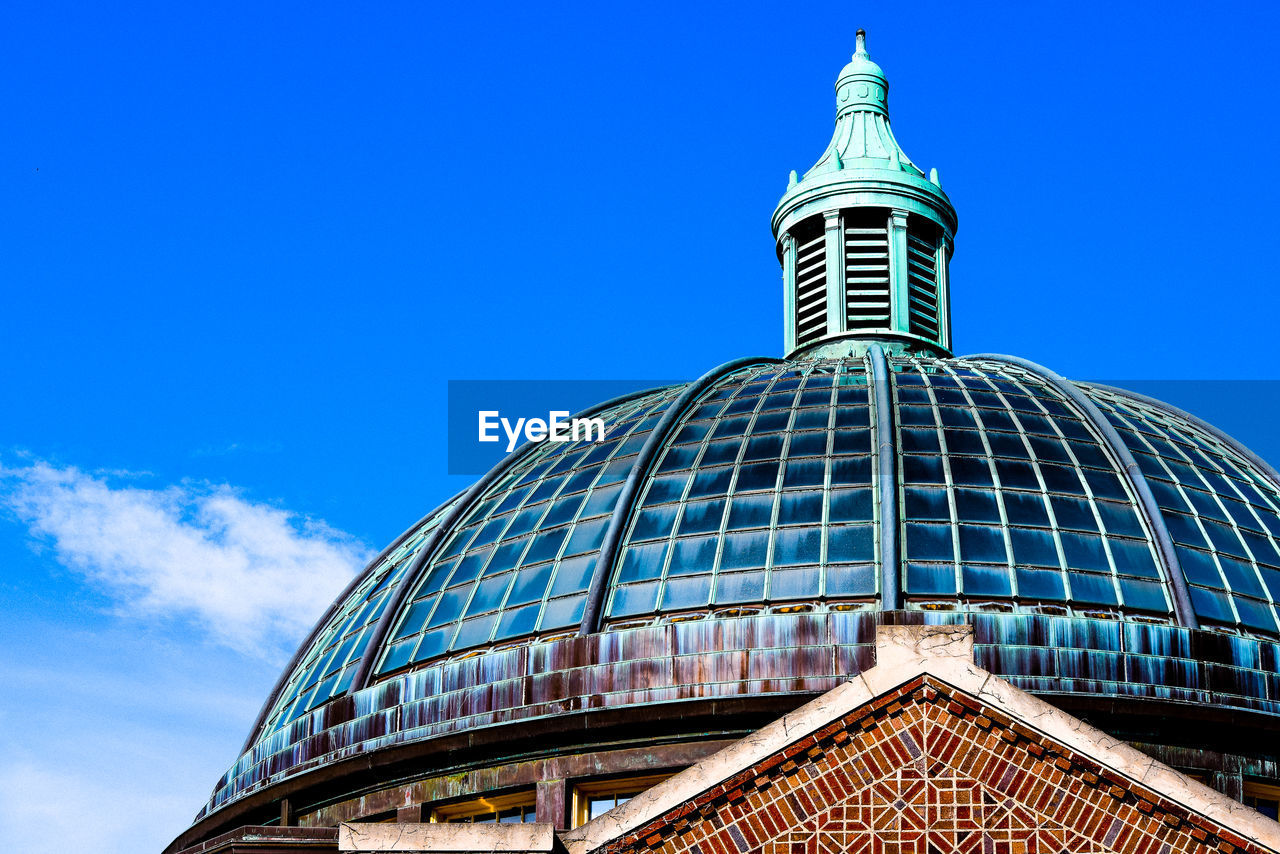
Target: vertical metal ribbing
x=886 y=482
x=657 y=440
x=302 y=650
x=437 y=538
x=941 y=263
x=1147 y=504
x=899 y=291
x=833 y=234
x=1169 y=409
x=788 y=293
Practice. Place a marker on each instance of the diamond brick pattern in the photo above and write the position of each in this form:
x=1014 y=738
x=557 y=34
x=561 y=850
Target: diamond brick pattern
x=929 y=770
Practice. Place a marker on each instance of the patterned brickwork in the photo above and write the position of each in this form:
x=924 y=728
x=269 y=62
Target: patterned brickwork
x=929 y=770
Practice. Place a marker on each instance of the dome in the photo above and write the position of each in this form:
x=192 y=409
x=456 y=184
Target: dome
x=761 y=493
x=729 y=548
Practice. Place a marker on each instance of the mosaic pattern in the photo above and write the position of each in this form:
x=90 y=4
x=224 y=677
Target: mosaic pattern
x=1223 y=516
x=762 y=495
x=929 y=770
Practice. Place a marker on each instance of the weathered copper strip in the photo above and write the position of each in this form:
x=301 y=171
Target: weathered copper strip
x=886 y=481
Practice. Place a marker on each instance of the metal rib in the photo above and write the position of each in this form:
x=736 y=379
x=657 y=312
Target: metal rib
x=887 y=483
x=657 y=440
x=1182 y=607
x=437 y=538
x=1232 y=443
x=351 y=587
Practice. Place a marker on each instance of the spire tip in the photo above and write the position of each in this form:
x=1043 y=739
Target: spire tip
x=861 y=46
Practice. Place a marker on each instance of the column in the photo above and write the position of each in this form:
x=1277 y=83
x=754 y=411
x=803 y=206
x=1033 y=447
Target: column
x=788 y=293
x=552 y=807
x=413 y=814
x=837 y=313
x=899 y=301
x=944 y=291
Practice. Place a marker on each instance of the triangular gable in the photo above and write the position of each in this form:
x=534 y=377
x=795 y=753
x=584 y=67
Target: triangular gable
x=926 y=753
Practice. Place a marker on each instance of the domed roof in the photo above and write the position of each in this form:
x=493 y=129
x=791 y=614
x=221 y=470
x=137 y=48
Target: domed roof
x=981 y=485
x=741 y=536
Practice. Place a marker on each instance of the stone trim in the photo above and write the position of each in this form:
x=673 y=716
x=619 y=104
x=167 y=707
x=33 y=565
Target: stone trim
x=442 y=838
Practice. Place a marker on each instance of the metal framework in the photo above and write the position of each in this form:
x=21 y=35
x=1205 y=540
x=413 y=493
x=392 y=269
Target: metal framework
x=1129 y=467
x=887 y=482
x=437 y=538
x=328 y=615
x=623 y=510
x=1257 y=461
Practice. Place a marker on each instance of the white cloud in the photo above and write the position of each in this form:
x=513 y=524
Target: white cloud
x=122 y=814
x=254 y=576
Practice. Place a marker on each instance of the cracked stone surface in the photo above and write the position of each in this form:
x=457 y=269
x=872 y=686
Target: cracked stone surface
x=511 y=838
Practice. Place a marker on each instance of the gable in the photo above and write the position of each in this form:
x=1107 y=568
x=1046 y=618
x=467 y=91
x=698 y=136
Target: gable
x=928 y=770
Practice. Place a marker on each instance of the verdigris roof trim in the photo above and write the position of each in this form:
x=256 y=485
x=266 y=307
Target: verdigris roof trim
x=657 y=440
x=887 y=481
x=1262 y=465
x=1182 y=607
x=302 y=650
x=437 y=538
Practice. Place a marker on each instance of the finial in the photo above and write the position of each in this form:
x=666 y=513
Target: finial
x=792 y=179
x=861 y=49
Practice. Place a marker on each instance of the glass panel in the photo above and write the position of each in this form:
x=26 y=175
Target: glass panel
x=982 y=544
x=987 y=581
x=929 y=542
x=643 y=562
x=1033 y=547
x=687 y=592
x=744 y=550
x=750 y=511
x=798 y=546
x=931 y=579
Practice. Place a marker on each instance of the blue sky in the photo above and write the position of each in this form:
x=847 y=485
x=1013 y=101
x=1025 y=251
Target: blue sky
x=245 y=247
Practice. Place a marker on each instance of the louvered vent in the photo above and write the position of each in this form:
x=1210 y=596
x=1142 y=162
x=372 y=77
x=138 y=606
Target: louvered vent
x=866 y=269
x=922 y=281
x=811 y=285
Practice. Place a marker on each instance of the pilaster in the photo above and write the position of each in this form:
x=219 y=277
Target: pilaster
x=941 y=258
x=898 y=295
x=836 y=311
x=789 y=292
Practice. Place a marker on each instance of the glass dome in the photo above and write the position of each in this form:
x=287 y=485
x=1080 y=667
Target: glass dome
x=731 y=547
x=761 y=489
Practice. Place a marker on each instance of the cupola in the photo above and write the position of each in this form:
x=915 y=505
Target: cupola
x=864 y=237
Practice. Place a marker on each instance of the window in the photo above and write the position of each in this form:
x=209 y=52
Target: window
x=1263 y=798
x=514 y=808
x=595 y=798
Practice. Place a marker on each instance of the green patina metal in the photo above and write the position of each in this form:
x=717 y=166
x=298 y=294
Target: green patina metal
x=864 y=237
